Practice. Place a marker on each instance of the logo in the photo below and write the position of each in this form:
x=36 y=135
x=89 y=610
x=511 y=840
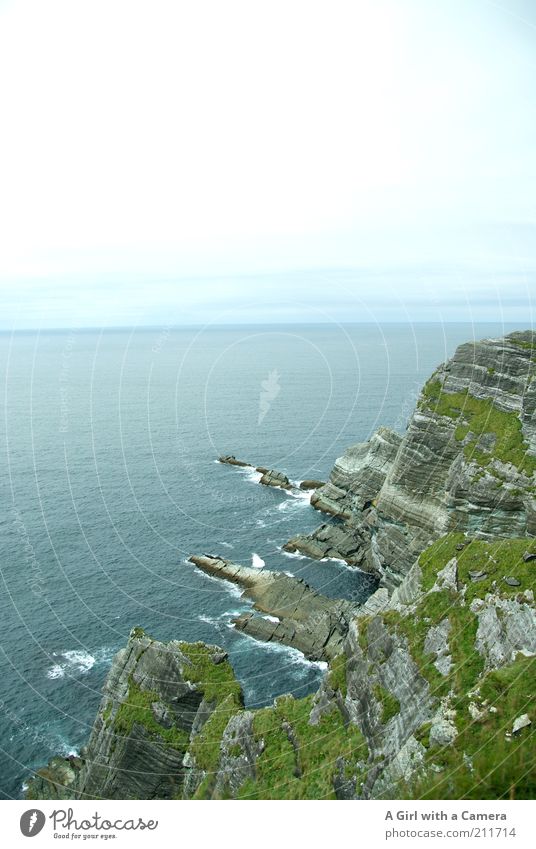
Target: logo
x=31 y=822
x=270 y=389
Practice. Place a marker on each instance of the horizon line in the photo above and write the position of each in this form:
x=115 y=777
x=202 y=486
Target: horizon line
x=207 y=325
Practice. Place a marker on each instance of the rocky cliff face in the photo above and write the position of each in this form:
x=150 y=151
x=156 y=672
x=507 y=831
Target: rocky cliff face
x=429 y=691
x=432 y=695
x=158 y=697
x=467 y=462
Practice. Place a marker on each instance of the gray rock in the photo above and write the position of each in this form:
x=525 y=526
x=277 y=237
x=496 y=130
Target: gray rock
x=505 y=627
x=277 y=479
x=230 y=460
x=443 y=733
x=392 y=495
x=436 y=641
x=520 y=723
x=135 y=759
x=528 y=556
x=512 y=582
x=305 y=619
x=311 y=484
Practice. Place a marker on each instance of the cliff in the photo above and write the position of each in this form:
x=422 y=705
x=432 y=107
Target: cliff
x=432 y=696
x=467 y=462
x=429 y=690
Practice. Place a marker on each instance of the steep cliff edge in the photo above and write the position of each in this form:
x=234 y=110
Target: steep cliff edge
x=158 y=697
x=467 y=462
x=432 y=696
x=430 y=686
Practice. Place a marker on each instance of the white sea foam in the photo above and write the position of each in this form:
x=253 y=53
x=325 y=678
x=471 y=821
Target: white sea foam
x=71 y=662
x=347 y=566
x=257 y=562
x=251 y=475
x=76 y=662
x=232 y=589
x=303 y=495
x=227 y=544
x=295 y=500
x=221 y=619
x=295 y=656
x=295 y=554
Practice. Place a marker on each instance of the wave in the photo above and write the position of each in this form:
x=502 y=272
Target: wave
x=251 y=475
x=343 y=564
x=257 y=562
x=295 y=554
x=220 y=619
x=227 y=544
x=74 y=661
x=295 y=501
x=232 y=589
x=295 y=656
x=303 y=495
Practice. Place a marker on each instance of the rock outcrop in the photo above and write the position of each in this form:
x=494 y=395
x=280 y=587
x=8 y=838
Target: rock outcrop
x=269 y=477
x=157 y=698
x=294 y=614
x=467 y=462
x=391 y=719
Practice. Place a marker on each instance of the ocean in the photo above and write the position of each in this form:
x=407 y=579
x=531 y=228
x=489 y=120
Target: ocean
x=110 y=481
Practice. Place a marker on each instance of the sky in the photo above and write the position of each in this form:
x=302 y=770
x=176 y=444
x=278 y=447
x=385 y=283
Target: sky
x=177 y=162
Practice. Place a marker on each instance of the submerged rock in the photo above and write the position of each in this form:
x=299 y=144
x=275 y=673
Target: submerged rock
x=311 y=484
x=274 y=478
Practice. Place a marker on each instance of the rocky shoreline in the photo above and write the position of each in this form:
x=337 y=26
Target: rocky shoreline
x=298 y=615
x=429 y=691
x=270 y=477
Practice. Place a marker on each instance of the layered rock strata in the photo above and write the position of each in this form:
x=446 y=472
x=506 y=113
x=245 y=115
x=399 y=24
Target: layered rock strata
x=467 y=462
x=294 y=614
x=431 y=695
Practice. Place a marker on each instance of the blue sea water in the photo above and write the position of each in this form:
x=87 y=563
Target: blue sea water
x=110 y=481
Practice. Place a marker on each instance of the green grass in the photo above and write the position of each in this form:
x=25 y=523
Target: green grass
x=206 y=746
x=476 y=417
x=216 y=681
x=502 y=767
x=499 y=559
x=337 y=674
x=281 y=774
x=389 y=702
x=521 y=343
x=137 y=709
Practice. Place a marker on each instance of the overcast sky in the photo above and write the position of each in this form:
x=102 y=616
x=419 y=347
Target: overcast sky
x=245 y=161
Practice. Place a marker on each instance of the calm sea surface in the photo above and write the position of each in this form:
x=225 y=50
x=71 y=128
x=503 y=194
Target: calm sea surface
x=109 y=482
